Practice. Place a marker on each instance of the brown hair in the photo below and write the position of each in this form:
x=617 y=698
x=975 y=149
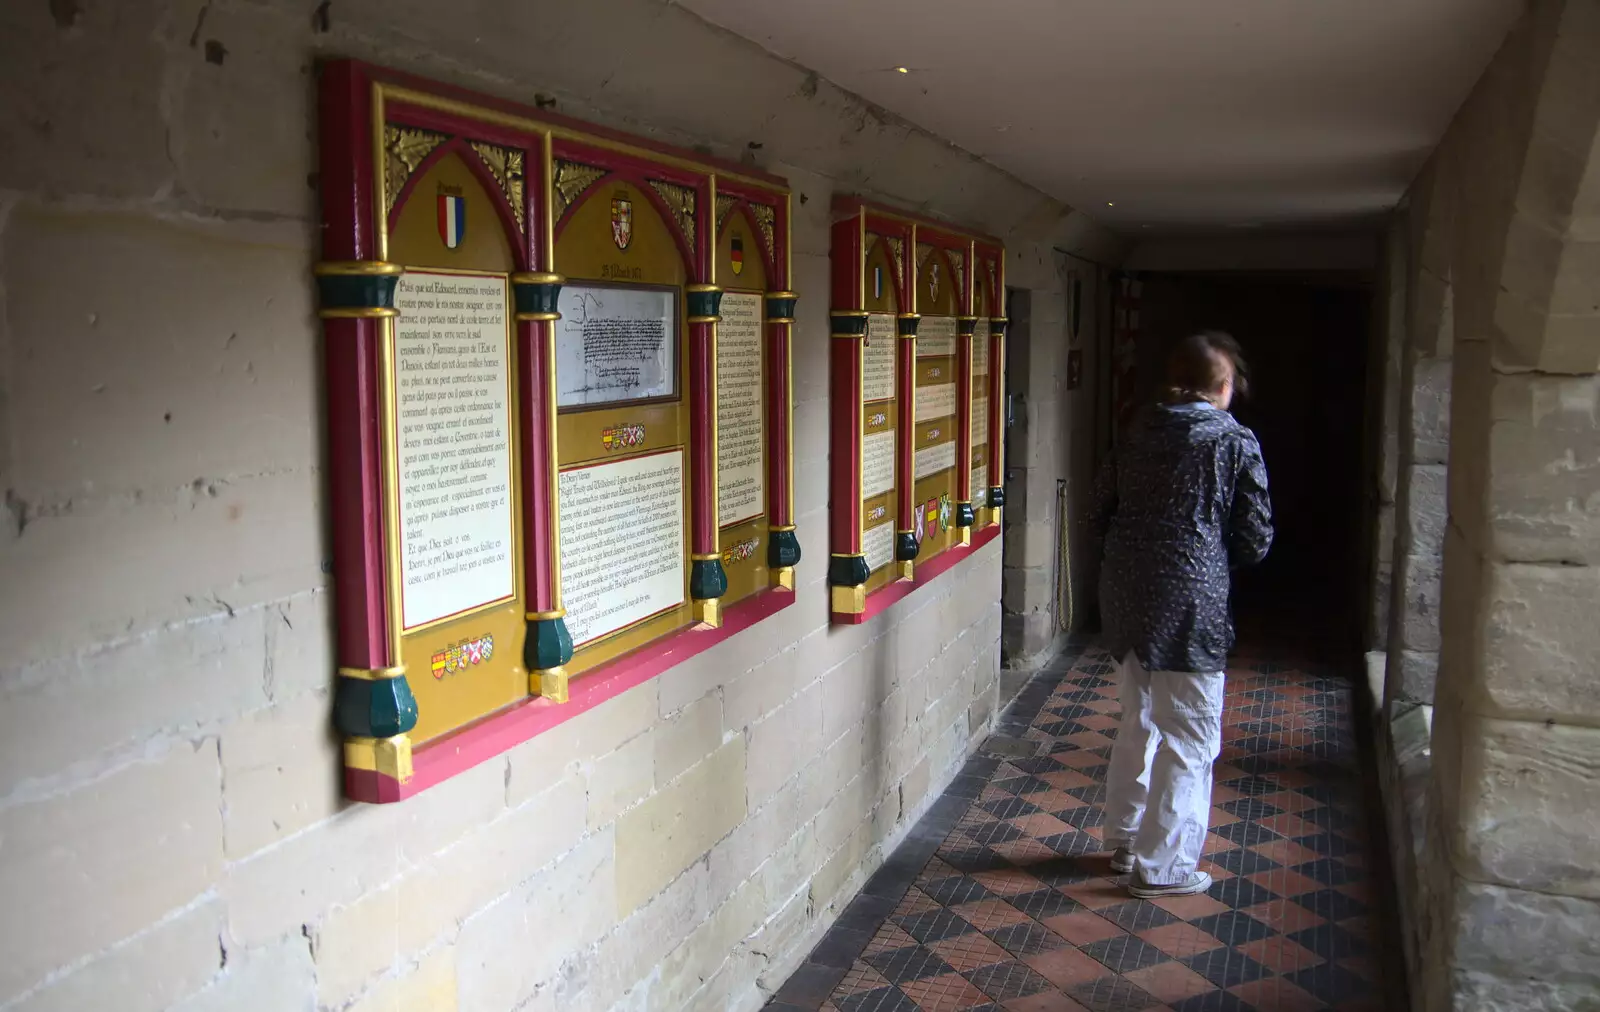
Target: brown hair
x=1198 y=365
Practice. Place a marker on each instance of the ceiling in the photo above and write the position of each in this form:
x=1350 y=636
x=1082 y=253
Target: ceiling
x=1164 y=114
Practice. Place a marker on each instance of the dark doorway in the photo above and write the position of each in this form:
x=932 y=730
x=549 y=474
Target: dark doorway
x=1306 y=343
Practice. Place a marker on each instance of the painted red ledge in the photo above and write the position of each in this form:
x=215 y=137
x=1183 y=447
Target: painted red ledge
x=922 y=574
x=440 y=760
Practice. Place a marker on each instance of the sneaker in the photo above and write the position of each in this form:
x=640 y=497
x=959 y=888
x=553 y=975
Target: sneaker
x=1122 y=861
x=1197 y=882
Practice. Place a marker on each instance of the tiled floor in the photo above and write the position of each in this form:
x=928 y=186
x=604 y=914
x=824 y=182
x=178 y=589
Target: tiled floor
x=1002 y=899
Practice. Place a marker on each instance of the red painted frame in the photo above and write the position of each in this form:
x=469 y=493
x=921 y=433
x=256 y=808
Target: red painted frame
x=347 y=106
x=853 y=220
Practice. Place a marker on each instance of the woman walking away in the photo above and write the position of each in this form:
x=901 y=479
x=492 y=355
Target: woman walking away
x=1181 y=504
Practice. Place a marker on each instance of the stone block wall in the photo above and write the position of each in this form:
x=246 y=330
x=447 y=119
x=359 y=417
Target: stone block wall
x=174 y=837
x=1507 y=906
x=1049 y=441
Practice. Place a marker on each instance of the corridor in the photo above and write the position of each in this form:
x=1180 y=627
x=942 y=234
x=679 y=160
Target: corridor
x=1002 y=898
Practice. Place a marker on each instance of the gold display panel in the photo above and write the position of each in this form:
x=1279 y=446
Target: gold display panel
x=743 y=438
x=453 y=484
x=979 y=434
x=936 y=435
x=624 y=516
x=879 y=412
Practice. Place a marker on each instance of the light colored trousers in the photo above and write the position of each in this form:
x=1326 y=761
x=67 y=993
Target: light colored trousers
x=1158 y=789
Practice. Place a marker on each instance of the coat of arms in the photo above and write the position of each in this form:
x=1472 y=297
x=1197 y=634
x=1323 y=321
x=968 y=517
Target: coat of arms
x=452 y=219
x=933 y=280
x=621 y=221
x=737 y=253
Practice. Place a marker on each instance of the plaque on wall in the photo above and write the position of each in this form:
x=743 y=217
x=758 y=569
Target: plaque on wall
x=905 y=455
x=623 y=558
x=453 y=405
x=544 y=458
x=741 y=491
x=615 y=344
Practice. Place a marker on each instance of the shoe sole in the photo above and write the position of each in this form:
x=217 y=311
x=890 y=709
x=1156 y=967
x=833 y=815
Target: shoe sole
x=1121 y=867
x=1150 y=892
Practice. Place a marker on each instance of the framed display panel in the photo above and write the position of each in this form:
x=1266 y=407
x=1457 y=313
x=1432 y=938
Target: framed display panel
x=559 y=405
x=914 y=475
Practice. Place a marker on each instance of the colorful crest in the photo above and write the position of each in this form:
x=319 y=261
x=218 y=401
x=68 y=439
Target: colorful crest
x=622 y=221
x=452 y=219
x=946 y=512
x=737 y=253
x=931 y=507
x=919 y=524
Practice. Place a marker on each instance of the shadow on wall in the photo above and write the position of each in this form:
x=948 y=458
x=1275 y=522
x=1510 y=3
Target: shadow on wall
x=1306 y=344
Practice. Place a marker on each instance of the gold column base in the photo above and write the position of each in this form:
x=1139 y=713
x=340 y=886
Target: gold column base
x=905 y=569
x=964 y=535
x=991 y=515
x=390 y=757
x=849 y=600
x=783 y=578
x=549 y=683
x=707 y=612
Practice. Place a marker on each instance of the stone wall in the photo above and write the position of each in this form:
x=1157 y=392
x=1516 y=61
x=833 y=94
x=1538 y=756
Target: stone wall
x=1508 y=903
x=1049 y=442
x=173 y=831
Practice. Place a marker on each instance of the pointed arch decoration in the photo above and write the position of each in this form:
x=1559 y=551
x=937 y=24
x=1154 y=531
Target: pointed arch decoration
x=521 y=318
x=915 y=461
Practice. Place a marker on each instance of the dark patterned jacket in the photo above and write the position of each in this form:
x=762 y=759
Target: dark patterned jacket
x=1181 y=504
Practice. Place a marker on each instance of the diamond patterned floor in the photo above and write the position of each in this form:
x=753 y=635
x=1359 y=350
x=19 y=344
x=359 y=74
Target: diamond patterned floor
x=1017 y=909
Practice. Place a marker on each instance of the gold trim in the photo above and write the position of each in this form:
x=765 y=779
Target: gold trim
x=707 y=612
x=967 y=319
x=916 y=289
x=356 y=268
x=849 y=314
x=505 y=165
x=680 y=201
x=724 y=204
x=924 y=251
x=572 y=180
x=906 y=568
x=702 y=288
x=403 y=149
x=766 y=217
x=358 y=313
x=897 y=252
x=537 y=317
x=547 y=255
x=704 y=556
x=909 y=316
x=705 y=319
x=716 y=228
x=783 y=578
x=390 y=459
x=964 y=535
x=847 y=555
x=545 y=616
x=780 y=319
x=782 y=295
x=849 y=600
x=374 y=674
x=861 y=249
x=549 y=683
x=390 y=757
x=780 y=527
x=439 y=103
x=908 y=530
x=538 y=278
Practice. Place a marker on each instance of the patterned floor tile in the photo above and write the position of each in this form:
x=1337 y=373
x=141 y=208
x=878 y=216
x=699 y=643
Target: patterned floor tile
x=1020 y=912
